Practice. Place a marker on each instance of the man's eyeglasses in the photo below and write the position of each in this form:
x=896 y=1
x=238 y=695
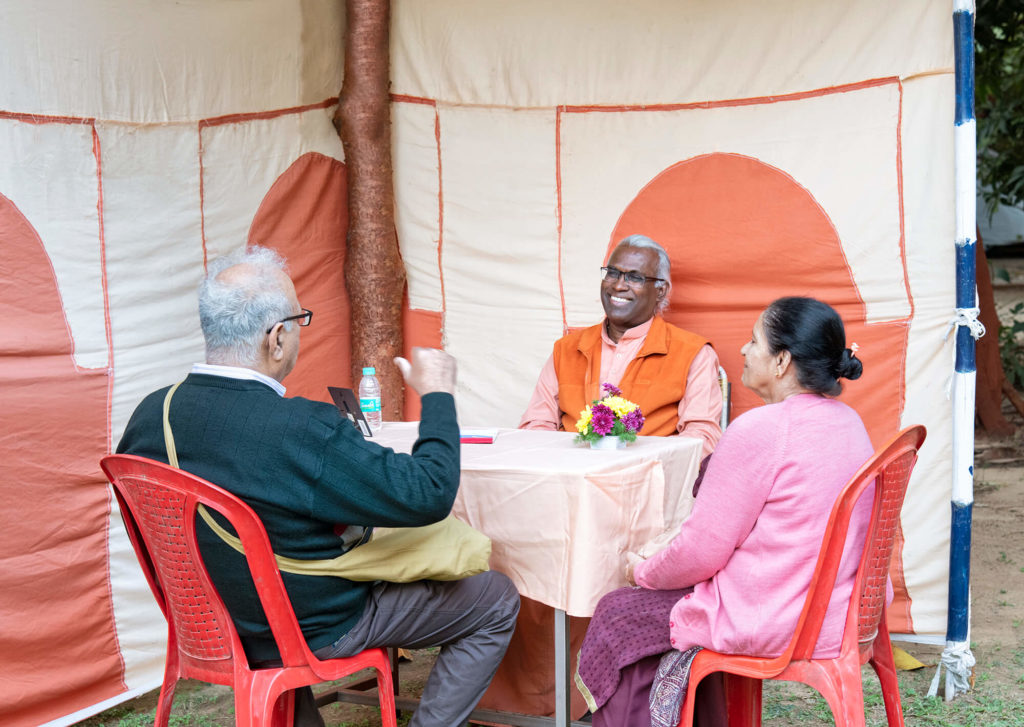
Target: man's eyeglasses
x=302 y=318
x=633 y=280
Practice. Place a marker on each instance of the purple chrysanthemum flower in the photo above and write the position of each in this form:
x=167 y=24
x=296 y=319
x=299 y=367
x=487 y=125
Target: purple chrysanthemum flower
x=634 y=420
x=602 y=419
x=611 y=390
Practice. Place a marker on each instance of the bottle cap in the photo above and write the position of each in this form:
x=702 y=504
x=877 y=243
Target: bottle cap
x=369 y=371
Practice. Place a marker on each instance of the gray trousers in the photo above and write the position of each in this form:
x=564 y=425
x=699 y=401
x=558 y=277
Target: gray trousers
x=471 y=620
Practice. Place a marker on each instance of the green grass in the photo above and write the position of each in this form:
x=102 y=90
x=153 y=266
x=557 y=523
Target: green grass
x=989 y=703
x=183 y=714
x=995 y=701
x=195 y=705
x=403 y=721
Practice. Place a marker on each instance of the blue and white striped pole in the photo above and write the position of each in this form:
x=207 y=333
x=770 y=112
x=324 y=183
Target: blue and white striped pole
x=957 y=657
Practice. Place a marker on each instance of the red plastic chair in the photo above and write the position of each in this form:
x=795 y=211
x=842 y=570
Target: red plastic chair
x=158 y=505
x=865 y=636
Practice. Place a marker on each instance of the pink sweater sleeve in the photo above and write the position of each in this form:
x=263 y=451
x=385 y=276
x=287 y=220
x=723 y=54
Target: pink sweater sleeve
x=735 y=487
x=542 y=412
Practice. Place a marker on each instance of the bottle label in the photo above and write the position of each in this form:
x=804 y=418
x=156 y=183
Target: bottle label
x=371 y=404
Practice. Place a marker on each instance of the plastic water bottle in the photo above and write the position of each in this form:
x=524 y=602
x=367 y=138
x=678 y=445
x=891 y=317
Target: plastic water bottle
x=369 y=398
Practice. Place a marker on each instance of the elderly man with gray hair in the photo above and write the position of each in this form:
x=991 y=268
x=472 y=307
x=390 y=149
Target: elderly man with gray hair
x=671 y=373
x=310 y=476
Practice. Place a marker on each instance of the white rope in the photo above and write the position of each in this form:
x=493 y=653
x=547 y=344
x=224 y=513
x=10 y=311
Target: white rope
x=967 y=317
x=959 y=663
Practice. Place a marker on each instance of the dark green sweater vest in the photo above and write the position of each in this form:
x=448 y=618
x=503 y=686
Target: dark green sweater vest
x=303 y=468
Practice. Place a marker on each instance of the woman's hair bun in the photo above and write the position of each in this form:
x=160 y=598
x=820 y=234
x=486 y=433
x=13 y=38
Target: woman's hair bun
x=815 y=337
x=850 y=366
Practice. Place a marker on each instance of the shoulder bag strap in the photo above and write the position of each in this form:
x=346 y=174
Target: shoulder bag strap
x=289 y=565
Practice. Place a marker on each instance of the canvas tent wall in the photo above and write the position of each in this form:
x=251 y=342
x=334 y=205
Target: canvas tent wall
x=774 y=147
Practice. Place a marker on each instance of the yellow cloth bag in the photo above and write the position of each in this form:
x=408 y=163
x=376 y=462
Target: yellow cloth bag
x=448 y=550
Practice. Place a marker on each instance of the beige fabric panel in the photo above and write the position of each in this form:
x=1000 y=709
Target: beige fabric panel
x=51 y=175
x=542 y=53
x=141 y=631
x=417 y=200
x=499 y=256
x=237 y=177
x=157 y=62
x=154 y=262
x=928 y=201
x=154 y=259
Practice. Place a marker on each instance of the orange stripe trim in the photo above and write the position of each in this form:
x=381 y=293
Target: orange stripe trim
x=202 y=196
x=104 y=284
x=755 y=100
x=271 y=114
x=896 y=570
x=403 y=98
x=44 y=119
x=97 y=153
x=440 y=218
x=903 y=232
x=558 y=209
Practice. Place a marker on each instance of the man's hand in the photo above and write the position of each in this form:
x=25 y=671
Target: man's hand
x=431 y=370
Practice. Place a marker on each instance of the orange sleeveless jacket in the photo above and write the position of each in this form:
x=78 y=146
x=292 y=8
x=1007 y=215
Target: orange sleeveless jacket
x=655 y=379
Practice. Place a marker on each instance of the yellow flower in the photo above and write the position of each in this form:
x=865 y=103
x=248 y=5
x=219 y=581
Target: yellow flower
x=584 y=421
x=620 y=406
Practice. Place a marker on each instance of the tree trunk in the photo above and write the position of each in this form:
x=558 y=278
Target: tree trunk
x=991 y=379
x=374 y=274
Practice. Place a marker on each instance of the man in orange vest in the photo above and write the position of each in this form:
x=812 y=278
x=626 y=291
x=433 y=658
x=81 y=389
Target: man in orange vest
x=671 y=373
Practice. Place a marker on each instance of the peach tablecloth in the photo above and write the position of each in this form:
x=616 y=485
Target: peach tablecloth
x=562 y=517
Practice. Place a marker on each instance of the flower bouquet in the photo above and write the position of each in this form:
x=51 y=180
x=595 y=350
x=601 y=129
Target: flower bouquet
x=609 y=422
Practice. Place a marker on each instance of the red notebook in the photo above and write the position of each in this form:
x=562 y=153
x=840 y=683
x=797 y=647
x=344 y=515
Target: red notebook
x=477 y=436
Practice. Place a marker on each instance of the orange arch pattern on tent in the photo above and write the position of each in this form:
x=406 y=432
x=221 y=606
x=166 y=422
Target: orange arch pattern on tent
x=304 y=216
x=53 y=531
x=742 y=233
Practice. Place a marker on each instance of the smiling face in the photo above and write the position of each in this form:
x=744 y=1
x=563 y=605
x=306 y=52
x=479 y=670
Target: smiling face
x=624 y=305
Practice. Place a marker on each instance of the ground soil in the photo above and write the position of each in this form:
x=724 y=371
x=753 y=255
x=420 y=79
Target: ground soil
x=997 y=558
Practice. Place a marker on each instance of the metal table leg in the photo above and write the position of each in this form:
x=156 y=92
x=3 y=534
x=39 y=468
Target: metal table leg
x=563 y=677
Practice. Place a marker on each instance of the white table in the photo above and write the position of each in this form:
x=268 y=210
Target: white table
x=562 y=517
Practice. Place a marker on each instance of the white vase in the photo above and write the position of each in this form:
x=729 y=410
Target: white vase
x=609 y=441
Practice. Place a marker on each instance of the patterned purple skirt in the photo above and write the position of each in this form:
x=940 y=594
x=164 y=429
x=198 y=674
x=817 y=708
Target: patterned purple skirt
x=629 y=624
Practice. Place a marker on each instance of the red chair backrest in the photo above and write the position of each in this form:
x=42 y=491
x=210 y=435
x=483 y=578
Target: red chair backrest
x=158 y=503
x=889 y=468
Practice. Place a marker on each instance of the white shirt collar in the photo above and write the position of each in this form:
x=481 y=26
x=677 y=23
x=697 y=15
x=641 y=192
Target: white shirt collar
x=238 y=372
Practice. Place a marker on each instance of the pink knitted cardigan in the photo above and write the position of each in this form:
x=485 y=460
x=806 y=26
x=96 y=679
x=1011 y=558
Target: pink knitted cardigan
x=750 y=545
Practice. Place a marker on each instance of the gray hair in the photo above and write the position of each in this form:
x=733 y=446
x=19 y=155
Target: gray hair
x=236 y=314
x=643 y=242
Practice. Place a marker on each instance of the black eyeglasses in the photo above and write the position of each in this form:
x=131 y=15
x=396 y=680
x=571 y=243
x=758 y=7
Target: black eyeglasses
x=302 y=318
x=633 y=280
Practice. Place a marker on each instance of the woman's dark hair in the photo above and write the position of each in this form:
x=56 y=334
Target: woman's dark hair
x=813 y=334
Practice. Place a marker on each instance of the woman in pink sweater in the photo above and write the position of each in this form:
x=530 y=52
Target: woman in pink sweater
x=735 y=578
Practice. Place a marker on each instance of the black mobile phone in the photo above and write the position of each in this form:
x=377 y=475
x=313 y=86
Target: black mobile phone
x=348 y=405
